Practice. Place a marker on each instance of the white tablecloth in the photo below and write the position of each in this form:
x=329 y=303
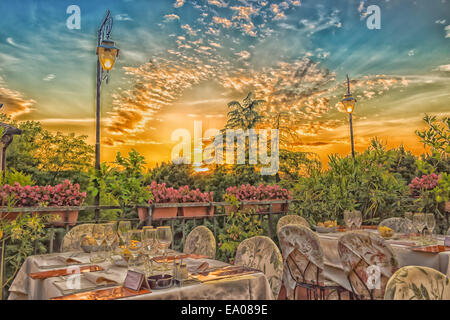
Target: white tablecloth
x=405 y=256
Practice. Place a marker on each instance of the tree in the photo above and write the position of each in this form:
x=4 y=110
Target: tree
x=244 y=116
x=49 y=157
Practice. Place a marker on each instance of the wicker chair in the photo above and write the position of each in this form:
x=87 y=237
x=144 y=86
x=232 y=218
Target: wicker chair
x=418 y=283
x=261 y=253
x=201 y=241
x=291 y=219
x=72 y=239
x=304 y=264
x=368 y=262
x=400 y=225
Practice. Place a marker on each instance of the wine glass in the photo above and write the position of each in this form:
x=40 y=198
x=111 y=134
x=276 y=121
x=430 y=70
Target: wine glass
x=98 y=233
x=122 y=229
x=357 y=218
x=110 y=237
x=149 y=246
x=419 y=222
x=431 y=223
x=164 y=237
x=134 y=243
x=409 y=217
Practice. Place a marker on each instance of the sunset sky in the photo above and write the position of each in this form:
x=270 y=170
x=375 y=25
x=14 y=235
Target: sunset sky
x=184 y=60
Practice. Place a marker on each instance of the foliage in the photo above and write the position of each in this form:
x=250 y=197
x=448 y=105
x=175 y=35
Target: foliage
x=188 y=195
x=437 y=136
x=163 y=194
x=244 y=116
x=124 y=184
x=12 y=176
x=62 y=195
x=365 y=183
x=424 y=183
x=261 y=192
x=49 y=158
x=19 y=236
x=240 y=225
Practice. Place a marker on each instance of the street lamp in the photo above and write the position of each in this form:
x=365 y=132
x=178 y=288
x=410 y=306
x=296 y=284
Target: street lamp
x=349 y=104
x=106 y=57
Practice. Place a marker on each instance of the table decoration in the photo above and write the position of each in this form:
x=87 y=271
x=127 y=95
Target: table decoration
x=64 y=272
x=135 y=281
x=61 y=261
x=386 y=232
x=327 y=226
x=160 y=281
x=431 y=249
x=161 y=259
x=222 y=273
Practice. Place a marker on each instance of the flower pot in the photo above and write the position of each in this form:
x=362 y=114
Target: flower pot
x=161 y=213
x=279 y=207
x=195 y=211
x=447 y=206
x=251 y=207
x=10 y=216
x=60 y=217
x=142 y=213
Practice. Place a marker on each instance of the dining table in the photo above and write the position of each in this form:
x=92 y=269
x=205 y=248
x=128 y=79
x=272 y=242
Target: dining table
x=407 y=250
x=71 y=276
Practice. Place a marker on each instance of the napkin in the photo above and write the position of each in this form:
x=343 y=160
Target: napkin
x=110 y=276
x=61 y=260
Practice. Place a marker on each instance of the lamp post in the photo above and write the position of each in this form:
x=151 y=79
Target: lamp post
x=106 y=57
x=349 y=104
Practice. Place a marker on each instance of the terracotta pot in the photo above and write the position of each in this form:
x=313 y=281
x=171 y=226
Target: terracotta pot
x=195 y=211
x=72 y=217
x=279 y=207
x=142 y=213
x=249 y=207
x=447 y=206
x=10 y=216
x=161 y=213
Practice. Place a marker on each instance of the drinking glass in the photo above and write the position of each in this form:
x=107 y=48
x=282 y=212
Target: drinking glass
x=431 y=223
x=122 y=229
x=134 y=243
x=149 y=247
x=419 y=222
x=357 y=218
x=164 y=237
x=110 y=237
x=98 y=233
x=409 y=217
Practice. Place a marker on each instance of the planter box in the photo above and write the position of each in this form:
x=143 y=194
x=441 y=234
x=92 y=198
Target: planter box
x=249 y=207
x=72 y=217
x=60 y=217
x=195 y=211
x=228 y=209
x=10 y=216
x=279 y=207
x=161 y=213
x=142 y=213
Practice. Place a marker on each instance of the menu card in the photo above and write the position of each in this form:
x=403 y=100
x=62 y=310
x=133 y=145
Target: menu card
x=136 y=281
